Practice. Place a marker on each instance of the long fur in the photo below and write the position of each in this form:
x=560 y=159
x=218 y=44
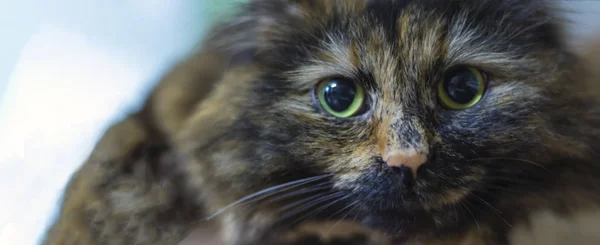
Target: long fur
x=237 y=136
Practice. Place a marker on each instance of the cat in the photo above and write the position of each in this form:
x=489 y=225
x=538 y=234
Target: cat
x=426 y=122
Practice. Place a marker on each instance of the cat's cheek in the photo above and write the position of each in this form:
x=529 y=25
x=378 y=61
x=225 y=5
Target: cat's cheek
x=344 y=181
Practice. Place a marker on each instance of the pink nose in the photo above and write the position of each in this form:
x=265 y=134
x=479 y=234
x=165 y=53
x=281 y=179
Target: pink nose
x=409 y=158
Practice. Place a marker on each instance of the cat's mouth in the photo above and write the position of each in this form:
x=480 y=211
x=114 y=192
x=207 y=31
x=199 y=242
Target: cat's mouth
x=384 y=188
x=393 y=199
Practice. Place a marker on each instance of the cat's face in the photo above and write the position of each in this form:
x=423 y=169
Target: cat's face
x=417 y=109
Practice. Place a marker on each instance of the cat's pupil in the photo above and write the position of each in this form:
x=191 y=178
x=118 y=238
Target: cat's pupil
x=339 y=94
x=462 y=86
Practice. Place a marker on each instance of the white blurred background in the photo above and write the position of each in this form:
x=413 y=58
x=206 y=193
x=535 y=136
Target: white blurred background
x=69 y=68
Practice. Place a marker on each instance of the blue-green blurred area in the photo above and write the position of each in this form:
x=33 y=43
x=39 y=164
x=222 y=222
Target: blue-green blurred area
x=70 y=68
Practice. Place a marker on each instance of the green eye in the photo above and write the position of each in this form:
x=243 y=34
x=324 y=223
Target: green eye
x=461 y=88
x=341 y=97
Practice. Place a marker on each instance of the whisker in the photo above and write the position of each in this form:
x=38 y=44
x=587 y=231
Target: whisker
x=301 y=201
x=356 y=216
x=493 y=189
x=514 y=183
x=311 y=203
x=312 y=191
x=318 y=210
x=319 y=187
x=511 y=159
x=342 y=209
x=513 y=177
x=498 y=212
x=353 y=205
x=455 y=213
x=267 y=192
x=472 y=215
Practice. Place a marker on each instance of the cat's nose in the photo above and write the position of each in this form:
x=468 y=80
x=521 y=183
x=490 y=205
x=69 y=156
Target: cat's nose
x=410 y=159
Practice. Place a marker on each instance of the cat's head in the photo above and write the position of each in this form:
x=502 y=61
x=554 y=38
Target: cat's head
x=414 y=110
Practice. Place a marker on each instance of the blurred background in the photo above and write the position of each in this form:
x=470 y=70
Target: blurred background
x=70 y=68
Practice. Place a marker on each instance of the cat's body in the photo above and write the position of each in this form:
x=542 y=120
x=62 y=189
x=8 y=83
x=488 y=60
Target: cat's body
x=244 y=116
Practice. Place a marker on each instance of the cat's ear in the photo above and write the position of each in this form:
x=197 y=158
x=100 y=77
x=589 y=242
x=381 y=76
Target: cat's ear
x=254 y=28
x=262 y=24
x=308 y=9
x=537 y=21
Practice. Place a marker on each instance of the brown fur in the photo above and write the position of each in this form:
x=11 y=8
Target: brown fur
x=239 y=117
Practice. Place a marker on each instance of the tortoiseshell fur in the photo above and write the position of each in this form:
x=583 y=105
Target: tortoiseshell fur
x=240 y=117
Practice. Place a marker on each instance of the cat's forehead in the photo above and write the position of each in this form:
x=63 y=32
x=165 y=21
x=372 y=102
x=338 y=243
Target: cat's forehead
x=402 y=47
x=392 y=38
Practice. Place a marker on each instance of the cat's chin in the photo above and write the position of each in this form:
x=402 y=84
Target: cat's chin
x=394 y=221
x=387 y=192
x=386 y=204
x=410 y=223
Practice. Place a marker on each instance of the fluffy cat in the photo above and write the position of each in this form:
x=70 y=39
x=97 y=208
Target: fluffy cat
x=428 y=122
